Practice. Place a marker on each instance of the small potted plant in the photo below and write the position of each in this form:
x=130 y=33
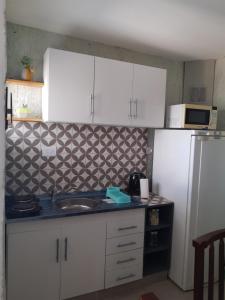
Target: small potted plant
x=26 y=62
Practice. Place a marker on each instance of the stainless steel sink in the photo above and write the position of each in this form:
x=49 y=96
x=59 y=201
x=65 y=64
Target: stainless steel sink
x=77 y=203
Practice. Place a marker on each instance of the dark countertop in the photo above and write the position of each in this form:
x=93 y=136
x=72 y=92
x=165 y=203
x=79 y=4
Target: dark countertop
x=49 y=211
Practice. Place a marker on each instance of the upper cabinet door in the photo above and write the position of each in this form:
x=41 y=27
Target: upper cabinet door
x=112 y=92
x=148 y=102
x=68 y=87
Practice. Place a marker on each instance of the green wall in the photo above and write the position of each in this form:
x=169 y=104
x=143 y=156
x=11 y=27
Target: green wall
x=23 y=40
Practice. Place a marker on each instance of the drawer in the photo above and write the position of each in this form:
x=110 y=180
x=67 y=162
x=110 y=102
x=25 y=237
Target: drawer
x=126 y=222
x=124 y=243
x=121 y=276
x=124 y=260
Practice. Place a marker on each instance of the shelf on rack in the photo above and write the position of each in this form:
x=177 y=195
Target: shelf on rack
x=156 y=262
x=157 y=227
x=154 y=268
x=157 y=259
x=25 y=83
x=156 y=249
x=26 y=119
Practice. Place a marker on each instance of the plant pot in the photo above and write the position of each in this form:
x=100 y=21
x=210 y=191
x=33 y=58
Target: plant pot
x=27 y=74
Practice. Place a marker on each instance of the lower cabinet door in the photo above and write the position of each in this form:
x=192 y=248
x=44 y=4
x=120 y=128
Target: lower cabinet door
x=83 y=255
x=33 y=265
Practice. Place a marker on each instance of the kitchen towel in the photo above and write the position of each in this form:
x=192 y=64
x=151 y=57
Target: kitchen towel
x=117 y=196
x=144 y=188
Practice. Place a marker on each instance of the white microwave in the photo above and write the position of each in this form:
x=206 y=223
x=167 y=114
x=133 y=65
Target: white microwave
x=191 y=116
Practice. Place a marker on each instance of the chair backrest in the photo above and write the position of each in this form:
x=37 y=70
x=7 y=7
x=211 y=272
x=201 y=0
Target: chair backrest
x=200 y=244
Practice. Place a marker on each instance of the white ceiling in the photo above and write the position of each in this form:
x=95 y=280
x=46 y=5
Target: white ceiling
x=180 y=29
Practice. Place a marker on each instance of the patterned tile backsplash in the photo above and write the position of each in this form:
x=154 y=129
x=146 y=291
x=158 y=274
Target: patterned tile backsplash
x=87 y=156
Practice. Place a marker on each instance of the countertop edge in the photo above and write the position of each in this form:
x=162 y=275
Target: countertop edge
x=73 y=214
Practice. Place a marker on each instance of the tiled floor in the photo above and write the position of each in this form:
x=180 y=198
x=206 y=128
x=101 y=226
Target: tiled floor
x=163 y=289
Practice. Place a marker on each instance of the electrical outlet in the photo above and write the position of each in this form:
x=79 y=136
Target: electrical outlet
x=48 y=151
x=148 y=150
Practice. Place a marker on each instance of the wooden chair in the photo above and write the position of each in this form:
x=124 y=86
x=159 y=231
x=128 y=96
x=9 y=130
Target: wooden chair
x=149 y=296
x=200 y=244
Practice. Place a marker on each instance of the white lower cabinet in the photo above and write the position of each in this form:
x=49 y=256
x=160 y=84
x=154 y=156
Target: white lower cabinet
x=64 y=258
x=33 y=267
x=124 y=247
x=83 y=257
x=48 y=264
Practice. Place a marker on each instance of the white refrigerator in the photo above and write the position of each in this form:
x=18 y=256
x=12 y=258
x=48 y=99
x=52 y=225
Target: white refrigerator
x=189 y=169
x=2 y=144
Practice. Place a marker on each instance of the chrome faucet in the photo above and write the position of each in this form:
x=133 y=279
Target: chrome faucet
x=53 y=194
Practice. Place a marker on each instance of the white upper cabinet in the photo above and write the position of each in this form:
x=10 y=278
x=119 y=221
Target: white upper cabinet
x=68 y=88
x=148 y=101
x=112 y=91
x=81 y=88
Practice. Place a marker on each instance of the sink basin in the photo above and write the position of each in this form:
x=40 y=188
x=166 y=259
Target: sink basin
x=77 y=203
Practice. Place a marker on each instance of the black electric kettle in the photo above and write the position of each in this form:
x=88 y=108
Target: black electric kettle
x=134 y=183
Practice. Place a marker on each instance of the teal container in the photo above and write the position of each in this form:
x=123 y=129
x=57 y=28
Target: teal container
x=117 y=196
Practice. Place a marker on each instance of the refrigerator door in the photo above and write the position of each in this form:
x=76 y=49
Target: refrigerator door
x=170 y=179
x=206 y=196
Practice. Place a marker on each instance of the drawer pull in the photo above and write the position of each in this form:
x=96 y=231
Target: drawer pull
x=66 y=249
x=125 y=277
x=57 y=250
x=127 y=244
x=125 y=261
x=127 y=228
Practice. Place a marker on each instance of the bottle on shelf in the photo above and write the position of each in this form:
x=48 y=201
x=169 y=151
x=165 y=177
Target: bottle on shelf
x=153 y=239
x=154 y=217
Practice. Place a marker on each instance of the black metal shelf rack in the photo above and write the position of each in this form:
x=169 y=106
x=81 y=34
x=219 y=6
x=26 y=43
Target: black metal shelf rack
x=157 y=257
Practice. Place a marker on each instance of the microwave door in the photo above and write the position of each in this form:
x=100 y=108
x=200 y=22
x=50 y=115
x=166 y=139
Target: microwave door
x=199 y=117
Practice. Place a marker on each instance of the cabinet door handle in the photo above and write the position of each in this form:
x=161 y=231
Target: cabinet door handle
x=93 y=104
x=130 y=113
x=127 y=228
x=8 y=111
x=92 y=112
x=57 y=250
x=11 y=108
x=6 y=108
x=126 y=244
x=125 y=260
x=125 y=277
x=66 y=249
x=136 y=108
